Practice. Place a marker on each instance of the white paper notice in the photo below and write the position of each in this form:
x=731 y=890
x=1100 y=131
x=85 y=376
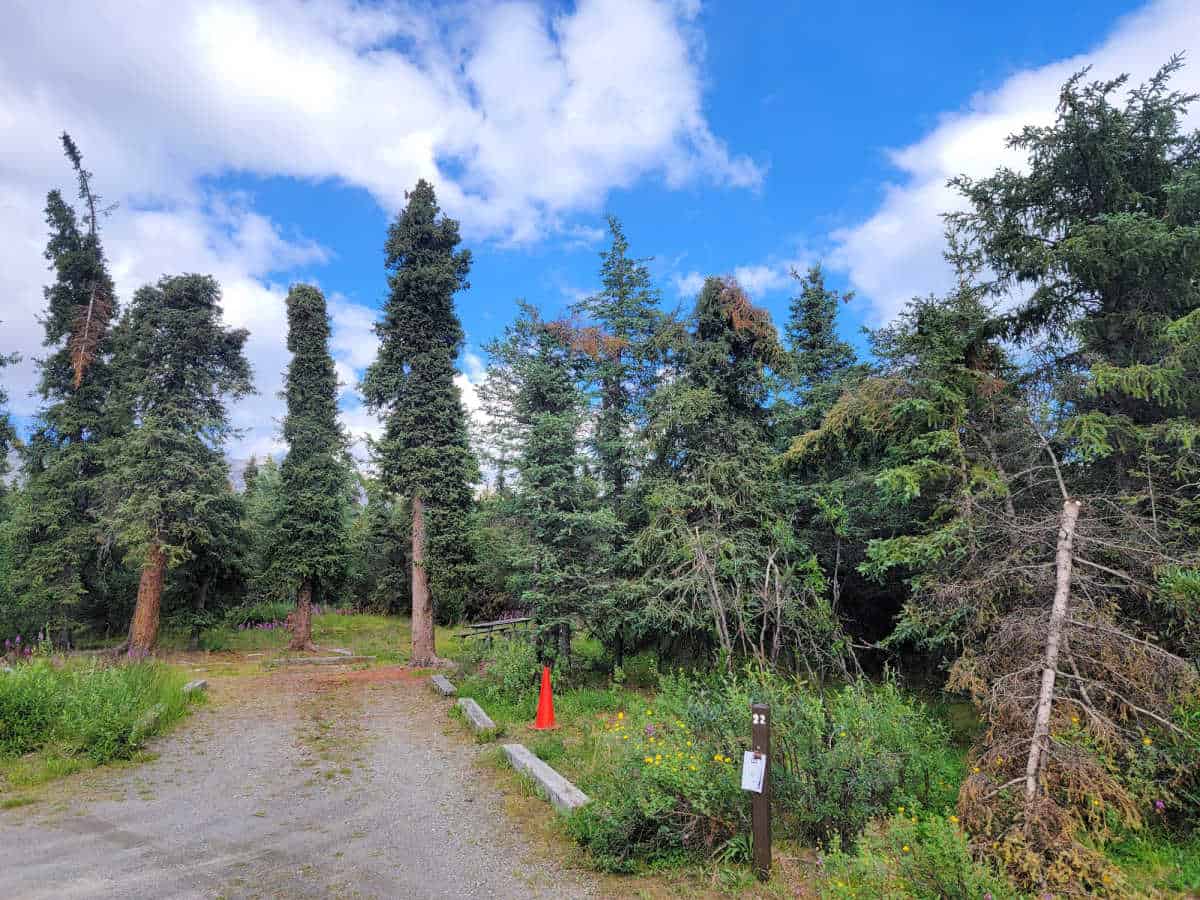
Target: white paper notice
x=754 y=767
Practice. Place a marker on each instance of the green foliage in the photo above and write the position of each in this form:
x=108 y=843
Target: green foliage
x=315 y=473
x=103 y=713
x=179 y=367
x=672 y=788
x=63 y=572
x=911 y=854
x=424 y=450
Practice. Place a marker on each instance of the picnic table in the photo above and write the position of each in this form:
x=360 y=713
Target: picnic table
x=488 y=630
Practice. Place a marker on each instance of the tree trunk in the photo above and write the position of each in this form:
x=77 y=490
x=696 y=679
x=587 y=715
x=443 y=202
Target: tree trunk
x=302 y=620
x=201 y=603
x=424 y=653
x=143 y=630
x=1064 y=560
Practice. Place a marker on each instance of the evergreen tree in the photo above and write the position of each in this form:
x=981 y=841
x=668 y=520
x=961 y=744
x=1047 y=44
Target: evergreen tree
x=180 y=365
x=263 y=516
x=65 y=569
x=379 y=542
x=622 y=360
x=314 y=471
x=424 y=454
x=722 y=563
x=249 y=474
x=565 y=549
x=821 y=362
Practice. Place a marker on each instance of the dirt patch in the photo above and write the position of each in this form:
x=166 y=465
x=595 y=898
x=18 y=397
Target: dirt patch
x=376 y=675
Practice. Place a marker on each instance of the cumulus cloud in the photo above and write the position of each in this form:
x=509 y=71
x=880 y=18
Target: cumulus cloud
x=521 y=116
x=897 y=252
x=758 y=279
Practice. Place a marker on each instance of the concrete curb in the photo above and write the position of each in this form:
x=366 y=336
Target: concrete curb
x=564 y=795
x=442 y=685
x=198 y=685
x=319 y=661
x=479 y=721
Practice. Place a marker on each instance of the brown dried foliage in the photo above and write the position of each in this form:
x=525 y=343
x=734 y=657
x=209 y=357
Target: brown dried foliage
x=91 y=321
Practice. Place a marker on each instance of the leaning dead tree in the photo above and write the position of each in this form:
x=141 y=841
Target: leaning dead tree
x=1064 y=685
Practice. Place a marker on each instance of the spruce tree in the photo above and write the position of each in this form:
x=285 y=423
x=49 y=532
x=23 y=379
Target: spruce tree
x=566 y=534
x=424 y=454
x=180 y=366
x=820 y=360
x=314 y=471
x=249 y=474
x=622 y=360
x=65 y=567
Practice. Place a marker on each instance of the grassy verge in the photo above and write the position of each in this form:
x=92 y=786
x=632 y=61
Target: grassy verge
x=58 y=719
x=388 y=638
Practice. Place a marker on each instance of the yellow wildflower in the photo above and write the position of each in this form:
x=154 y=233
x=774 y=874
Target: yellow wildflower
x=650 y=759
x=624 y=737
x=954 y=820
x=717 y=757
x=905 y=848
x=692 y=766
x=620 y=715
x=1146 y=742
x=975 y=769
x=689 y=743
x=901 y=810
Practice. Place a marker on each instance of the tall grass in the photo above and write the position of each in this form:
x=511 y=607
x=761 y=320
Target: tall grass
x=102 y=713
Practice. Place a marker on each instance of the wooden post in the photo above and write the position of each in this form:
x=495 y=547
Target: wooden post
x=760 y=810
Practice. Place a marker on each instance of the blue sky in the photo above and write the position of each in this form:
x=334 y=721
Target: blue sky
x=268 y=141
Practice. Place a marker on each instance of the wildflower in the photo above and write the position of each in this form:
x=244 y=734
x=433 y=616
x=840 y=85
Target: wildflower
x=689 y=743
x=1146 y=742
x=905 y=848
x=975 y=769
x=657 y=757
x=841 y=734
x=954 y=820
x=624 y=737
x=901 y=810
x=1095 y=803
x=650 y=759
x=692 y=766
x=1074 y=720
x=717 y=757
x=620 y=715
x=1159 y=805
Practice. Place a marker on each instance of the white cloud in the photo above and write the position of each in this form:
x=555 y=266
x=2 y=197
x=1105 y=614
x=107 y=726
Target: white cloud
x=897 y=253
x=522 y=118
x=758 y=279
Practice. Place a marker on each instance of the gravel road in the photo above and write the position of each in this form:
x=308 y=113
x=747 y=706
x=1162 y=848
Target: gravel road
x=285 y=785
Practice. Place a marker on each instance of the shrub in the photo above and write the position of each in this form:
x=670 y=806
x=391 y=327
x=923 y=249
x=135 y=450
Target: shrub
x=262 y=613
x=911 y=855
x=98 y=712
x=839 y=759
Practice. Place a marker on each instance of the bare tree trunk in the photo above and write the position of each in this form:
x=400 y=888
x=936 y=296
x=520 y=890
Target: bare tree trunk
x=1064 y=560
x=424 y=653
x=302 y=619
x=200 y=604
x=143 y=630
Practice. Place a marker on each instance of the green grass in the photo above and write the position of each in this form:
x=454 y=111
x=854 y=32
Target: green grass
x=1156 y=860
x=388 y=638
x=56 y=720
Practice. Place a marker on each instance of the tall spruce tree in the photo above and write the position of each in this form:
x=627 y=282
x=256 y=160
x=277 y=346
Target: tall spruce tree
x=623 y=360
x=315 y=475
x=821 y=361
x=180 y=366
x=424 y=454
x=65 y=569
x=565 y=553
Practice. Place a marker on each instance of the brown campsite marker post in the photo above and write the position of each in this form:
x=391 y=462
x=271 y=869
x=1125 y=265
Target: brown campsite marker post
x=760 y=809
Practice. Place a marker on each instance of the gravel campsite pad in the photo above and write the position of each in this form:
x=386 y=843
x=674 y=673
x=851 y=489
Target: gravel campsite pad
x=288 y=784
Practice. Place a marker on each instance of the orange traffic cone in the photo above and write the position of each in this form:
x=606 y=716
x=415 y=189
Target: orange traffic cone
x=545 y=710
